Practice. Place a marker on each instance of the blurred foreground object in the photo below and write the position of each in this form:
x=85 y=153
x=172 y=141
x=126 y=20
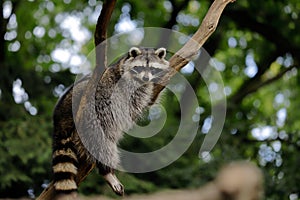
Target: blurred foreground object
x=236 y=181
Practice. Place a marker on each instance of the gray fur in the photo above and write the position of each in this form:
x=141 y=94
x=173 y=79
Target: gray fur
x=118 y=103
x=121 y=96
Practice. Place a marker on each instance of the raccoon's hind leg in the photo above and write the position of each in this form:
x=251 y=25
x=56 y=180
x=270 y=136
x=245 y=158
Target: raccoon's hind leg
x=109 y=175
x=64 y=165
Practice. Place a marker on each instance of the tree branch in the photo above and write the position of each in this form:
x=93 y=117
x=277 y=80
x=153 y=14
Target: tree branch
x=191 y=48
x=237 y=98
x=101 y=33
x=99 y=36
x=165 y=41
x=207 y=27
x=242 y=92
x=102 y=22
x=175 y=12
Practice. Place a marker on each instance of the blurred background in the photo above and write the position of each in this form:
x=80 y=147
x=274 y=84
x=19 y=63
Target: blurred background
x=255 y=48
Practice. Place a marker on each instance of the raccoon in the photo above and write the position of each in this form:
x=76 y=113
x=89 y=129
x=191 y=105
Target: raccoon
x=121 y=96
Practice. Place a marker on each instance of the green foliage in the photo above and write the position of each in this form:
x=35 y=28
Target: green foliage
x=25 y=154
x=256 y=46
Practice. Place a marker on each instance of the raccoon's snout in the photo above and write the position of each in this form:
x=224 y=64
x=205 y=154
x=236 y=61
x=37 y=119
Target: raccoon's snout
x=146 y=77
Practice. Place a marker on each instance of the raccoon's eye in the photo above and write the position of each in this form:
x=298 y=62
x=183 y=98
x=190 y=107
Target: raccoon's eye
x=155 y=70
x=138 y=69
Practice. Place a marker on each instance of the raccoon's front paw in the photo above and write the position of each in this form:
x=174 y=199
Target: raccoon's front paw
x=115 y=184
x=118 y=189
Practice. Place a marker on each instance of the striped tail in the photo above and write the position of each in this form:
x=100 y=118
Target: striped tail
x=64 y=166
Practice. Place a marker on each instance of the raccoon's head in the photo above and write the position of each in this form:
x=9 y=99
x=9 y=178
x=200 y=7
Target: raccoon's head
x=145 y=64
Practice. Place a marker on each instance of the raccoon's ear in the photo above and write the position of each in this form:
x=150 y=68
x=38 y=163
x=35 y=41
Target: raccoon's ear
x=134 y=52
x=161 y=52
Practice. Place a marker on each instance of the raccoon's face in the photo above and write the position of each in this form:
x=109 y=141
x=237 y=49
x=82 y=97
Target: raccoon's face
x=145 y=65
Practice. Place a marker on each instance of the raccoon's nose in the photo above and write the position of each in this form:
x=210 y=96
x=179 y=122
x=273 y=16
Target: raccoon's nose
x=145 y=78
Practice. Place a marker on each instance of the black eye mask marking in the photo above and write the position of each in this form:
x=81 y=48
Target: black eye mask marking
x=137 y=69
x=138 y=80
x=155 y=70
